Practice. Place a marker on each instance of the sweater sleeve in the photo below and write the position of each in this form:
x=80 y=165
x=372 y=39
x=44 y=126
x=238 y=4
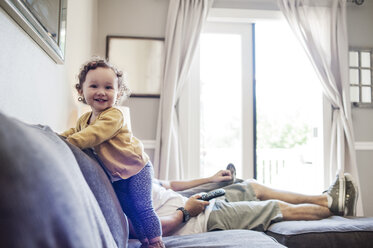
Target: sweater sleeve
x=68 y=132
x=106 y=126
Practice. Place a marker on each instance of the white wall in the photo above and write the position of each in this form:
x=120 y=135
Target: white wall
x=246 y=4
x=360 y=22
x=138 y=18
x=34 y=88
x=81 y=45
x=142 y=18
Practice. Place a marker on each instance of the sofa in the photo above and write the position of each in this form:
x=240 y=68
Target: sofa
x=55 y=195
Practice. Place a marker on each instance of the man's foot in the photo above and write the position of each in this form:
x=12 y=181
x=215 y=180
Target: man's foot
x=352 y=194
x=336 y=193
x=231 y=167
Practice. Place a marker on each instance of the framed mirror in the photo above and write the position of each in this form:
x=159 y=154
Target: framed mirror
x=44 y=21
x=141 y=59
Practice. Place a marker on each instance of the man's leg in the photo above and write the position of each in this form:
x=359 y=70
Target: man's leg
x=293 y=206
x=304 y=211
x=250 y=205
x=250 y=215
x=263 y=193
x=296 y=205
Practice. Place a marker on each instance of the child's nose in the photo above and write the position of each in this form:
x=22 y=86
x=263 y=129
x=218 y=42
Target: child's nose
x=101 y=92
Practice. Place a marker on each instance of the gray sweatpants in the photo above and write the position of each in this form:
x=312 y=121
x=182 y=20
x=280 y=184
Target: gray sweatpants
x=240 y=209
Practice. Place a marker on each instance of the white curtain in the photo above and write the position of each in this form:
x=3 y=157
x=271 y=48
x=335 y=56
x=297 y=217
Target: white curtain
x=184 y=24
x=320 y=25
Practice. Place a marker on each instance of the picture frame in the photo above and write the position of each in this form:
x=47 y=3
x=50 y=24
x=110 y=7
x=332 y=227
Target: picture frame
x=142 y=61
x=44 y=21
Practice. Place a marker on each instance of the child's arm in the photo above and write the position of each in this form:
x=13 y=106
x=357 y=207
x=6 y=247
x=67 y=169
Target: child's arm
x=68 y=132
x=104 y=128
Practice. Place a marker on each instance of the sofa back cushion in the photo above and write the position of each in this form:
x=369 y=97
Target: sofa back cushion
x=104 y=193
x=44 y=199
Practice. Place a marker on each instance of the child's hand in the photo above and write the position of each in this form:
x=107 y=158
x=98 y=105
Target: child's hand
x=221 y=176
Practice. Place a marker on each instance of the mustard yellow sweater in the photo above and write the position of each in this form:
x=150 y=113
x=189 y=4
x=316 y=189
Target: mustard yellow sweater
x=121 y=152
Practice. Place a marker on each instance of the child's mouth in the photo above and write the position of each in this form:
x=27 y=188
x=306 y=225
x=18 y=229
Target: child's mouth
x=100 y=100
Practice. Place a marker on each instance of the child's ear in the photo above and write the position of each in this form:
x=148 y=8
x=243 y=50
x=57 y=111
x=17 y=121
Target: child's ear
x=80 y=92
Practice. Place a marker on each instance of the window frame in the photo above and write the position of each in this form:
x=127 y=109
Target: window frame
x=360 y=85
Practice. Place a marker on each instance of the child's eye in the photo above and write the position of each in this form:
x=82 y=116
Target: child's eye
x=93 y=86
x=109 y=87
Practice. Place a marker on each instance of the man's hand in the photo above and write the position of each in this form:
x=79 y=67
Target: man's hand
x=221 y=176
x=195 y=206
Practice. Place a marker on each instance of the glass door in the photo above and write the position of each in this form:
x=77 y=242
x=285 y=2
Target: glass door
x=289 y=144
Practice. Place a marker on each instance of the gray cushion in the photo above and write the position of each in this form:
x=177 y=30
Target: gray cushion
x=104 y=193
x=334 y=231
x=45 y=201
x=218 y=239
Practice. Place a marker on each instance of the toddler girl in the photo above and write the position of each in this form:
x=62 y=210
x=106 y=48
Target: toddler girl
x=101 y=86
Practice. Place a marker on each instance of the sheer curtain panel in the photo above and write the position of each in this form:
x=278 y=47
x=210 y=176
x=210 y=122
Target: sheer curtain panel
x=320 y=26
x=184 y=24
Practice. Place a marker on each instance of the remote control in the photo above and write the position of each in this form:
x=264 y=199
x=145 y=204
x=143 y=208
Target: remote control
x=212 y=194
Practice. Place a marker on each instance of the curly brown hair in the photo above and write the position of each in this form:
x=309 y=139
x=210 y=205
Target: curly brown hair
x=99 y=62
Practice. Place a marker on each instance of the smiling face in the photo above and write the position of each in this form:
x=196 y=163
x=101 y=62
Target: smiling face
x=100 y=89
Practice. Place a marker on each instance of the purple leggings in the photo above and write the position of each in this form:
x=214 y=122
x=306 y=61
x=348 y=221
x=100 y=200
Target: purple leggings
x=135 y=197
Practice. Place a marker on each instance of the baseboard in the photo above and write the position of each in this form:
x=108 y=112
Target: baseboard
x=363 y=146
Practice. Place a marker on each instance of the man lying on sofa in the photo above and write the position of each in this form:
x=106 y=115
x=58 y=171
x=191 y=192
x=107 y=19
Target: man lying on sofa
x=245 y=205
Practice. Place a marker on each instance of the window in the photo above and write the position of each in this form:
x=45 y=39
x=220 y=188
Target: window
x=216 y=109
x=289 y=112
x=361 y=77
x=220 y=103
